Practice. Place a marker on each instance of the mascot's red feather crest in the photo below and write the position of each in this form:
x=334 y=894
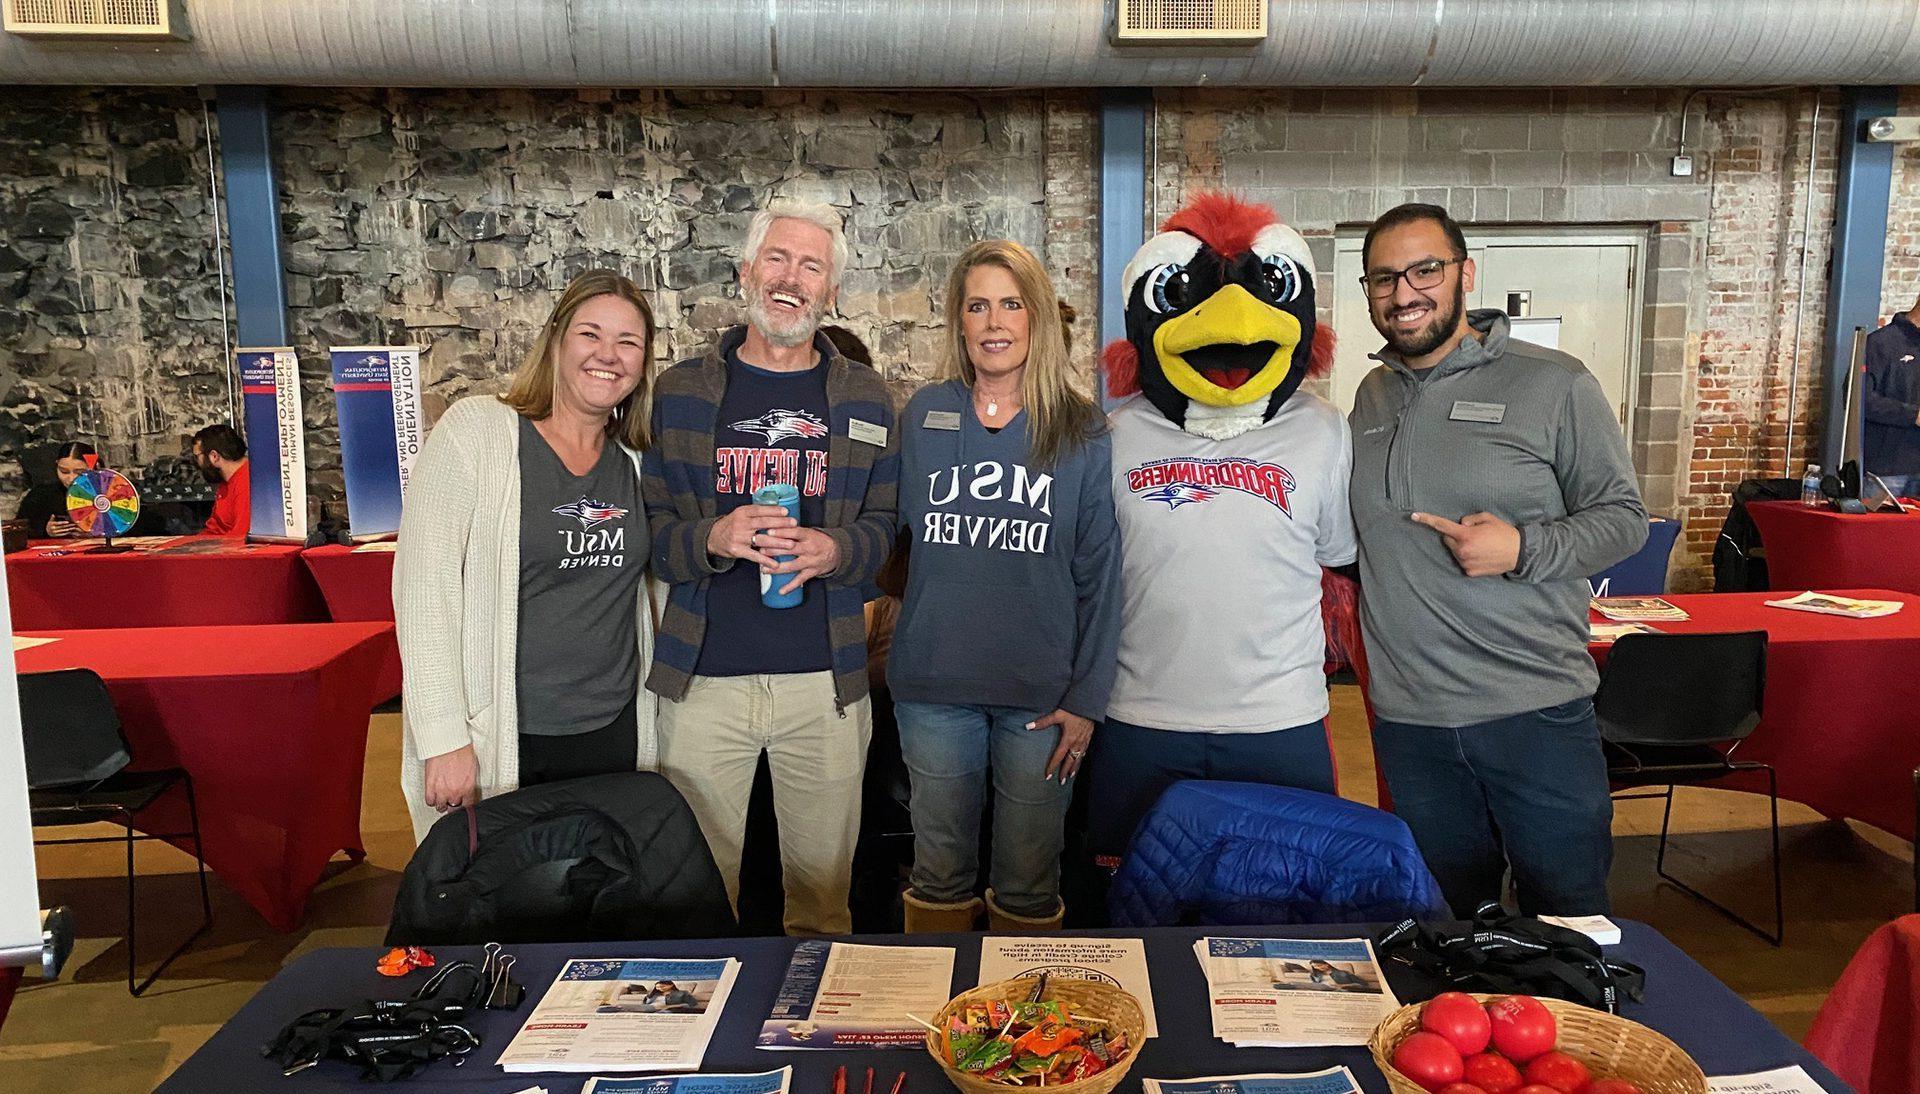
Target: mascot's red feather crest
x=1220 y=317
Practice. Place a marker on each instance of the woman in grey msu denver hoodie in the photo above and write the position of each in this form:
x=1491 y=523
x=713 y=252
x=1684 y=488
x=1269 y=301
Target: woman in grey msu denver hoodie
x=1004 y=652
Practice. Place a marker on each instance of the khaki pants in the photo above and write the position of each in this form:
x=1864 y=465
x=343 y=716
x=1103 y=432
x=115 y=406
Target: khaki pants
x=710 y=745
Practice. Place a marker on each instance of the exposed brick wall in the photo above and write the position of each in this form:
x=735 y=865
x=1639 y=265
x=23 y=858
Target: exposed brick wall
x=1750 y=318
x=1073 y=219
x=1903 y=221
x=110 y=326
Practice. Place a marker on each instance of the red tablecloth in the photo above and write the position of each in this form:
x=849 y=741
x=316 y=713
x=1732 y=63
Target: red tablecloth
x=271 y=721
x=1812 y=547
x=357 y=585
x=358 y=588
x=190 y=585
x=1838 y=716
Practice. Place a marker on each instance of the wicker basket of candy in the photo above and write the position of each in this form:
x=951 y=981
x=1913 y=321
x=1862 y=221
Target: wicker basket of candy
x=1075 y=1036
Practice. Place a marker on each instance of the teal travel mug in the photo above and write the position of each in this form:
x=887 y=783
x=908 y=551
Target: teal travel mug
x=787 y=496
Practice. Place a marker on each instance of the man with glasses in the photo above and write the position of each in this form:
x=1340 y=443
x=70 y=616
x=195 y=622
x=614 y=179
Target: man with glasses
x=1490 y=478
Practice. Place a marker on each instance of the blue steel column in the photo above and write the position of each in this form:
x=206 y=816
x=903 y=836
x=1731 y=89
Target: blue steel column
x=253 y=217
x=1859 y=250
x=1123 y=199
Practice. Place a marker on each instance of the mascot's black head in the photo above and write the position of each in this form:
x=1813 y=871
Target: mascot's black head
x=1220 y=318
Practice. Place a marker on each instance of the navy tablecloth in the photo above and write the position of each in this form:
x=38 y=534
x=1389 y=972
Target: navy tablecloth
x=1684 y=1001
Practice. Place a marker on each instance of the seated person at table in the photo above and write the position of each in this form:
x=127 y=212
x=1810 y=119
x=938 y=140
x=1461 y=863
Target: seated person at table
x=222 y=457
x=44 y=507
x=518 y=591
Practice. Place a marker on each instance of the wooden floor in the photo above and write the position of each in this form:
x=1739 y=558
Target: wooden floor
x=84 y=1035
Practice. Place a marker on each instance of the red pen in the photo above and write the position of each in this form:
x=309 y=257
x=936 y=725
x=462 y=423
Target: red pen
x=869 y=1081
x=840 y=1080
x=898 y=1083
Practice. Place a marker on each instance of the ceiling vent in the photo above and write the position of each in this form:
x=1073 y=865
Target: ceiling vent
x=118 y=19
x=1189 y=22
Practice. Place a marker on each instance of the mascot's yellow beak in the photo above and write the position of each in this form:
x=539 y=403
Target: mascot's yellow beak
x=1232 y=334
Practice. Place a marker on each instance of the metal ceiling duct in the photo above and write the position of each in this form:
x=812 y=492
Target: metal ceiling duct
x=994 y=43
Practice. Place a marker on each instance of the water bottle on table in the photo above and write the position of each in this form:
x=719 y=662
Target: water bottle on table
x=1810 y=487
x=787 y=496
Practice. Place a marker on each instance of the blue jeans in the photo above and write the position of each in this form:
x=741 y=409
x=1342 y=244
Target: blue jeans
x=1134 y=765
x=950 y=749
x=1530 y=790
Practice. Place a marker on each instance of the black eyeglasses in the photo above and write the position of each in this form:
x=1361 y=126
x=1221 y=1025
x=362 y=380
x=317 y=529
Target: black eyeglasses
x=1420 y=275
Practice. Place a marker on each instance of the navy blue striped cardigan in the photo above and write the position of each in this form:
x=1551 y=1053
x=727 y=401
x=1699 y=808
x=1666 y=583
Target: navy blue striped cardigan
x=677 y=476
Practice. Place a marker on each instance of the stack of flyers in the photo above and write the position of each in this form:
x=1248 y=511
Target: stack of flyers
x=766 y=1082
x=1835 y=604
x=624 y=1014
x=1334 y=1080
x=842 y=995
x=1633 y=609
x=1293 y=992
x=1610 y=632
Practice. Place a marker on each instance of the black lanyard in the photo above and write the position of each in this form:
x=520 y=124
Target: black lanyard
x=1514 y=955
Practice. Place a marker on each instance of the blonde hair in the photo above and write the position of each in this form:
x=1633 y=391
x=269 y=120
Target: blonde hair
x=821 y=216
x=530 y=392
x=1059 y=418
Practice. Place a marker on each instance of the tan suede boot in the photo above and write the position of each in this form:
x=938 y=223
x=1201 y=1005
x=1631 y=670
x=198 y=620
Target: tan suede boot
x=1003 y=921
x=933 y=917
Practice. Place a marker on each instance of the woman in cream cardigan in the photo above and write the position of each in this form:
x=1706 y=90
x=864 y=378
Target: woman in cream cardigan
x=521 y=606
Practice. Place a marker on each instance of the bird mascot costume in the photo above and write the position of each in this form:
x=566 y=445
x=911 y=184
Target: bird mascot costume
x=1231 y=489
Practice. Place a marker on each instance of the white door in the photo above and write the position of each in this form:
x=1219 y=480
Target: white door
x=1574 y=292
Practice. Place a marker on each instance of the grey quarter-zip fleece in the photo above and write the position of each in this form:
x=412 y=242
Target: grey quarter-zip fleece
x=1519 y=431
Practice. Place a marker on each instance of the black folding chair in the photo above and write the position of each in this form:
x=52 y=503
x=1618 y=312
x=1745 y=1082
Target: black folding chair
x=76 y=774
x=1673 y=709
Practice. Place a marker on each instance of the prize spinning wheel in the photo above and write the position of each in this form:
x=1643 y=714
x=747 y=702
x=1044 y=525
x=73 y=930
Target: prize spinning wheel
x=103 y=503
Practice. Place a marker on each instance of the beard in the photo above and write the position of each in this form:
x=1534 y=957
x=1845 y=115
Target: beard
x=1438 y=328
x=780 y=328
x=208 y=471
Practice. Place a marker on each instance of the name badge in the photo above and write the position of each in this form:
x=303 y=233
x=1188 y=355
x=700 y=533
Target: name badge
x=1464 y=411
x=942 y=419
x=867 y=432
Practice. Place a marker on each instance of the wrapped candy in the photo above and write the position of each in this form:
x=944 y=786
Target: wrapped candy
x=1034 y=1043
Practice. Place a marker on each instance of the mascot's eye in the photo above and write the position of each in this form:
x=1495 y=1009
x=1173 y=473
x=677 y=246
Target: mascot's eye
x=1169 y=289
x=1281 y=278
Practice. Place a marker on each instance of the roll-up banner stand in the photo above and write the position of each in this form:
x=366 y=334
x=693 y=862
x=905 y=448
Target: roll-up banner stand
x=19 y=889
x=377 y=392
x=276 y=444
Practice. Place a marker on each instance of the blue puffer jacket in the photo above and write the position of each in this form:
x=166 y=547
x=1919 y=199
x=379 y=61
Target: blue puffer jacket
x=1247 y=853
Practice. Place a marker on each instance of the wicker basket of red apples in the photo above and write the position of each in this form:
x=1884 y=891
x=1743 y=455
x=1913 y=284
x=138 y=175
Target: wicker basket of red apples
x=1516 y=1044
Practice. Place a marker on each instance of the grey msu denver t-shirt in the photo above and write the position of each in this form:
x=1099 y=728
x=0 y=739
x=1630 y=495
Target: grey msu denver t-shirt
x=583 y=546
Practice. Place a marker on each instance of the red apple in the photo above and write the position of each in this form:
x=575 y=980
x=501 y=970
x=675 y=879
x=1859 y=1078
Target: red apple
x=1461 y=1088
x=1559 y=1071
x=1455 y=1016
x=1494 y=1073
x=1522 y=1028
x=1536 y=1088
x=1429 y=1059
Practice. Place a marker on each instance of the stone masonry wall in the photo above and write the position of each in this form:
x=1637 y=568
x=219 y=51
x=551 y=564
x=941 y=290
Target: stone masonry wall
x=452 y=219
x=110 y=321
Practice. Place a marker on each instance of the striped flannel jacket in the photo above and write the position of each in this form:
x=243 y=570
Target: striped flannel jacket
x=677 y=479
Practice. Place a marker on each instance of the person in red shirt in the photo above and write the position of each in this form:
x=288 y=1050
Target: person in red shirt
x=222 y=458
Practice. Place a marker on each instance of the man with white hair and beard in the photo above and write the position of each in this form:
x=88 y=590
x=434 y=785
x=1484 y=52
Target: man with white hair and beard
x=1490 y=478
x=772 y=402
